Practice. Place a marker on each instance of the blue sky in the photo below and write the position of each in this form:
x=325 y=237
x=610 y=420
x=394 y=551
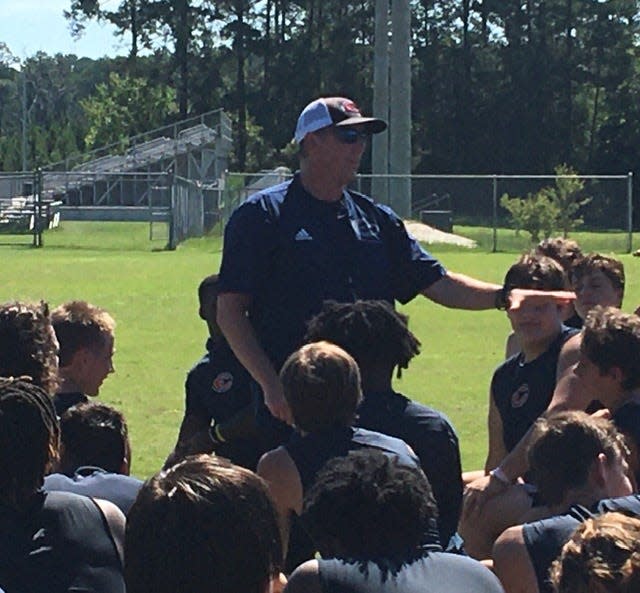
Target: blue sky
x=29 y=26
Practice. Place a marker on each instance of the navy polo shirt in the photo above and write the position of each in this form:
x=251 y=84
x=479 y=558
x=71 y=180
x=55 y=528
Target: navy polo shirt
x=291 y=251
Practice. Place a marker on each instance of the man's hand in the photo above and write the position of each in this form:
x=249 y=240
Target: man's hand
x=520 y=296
x=274 y=399
x=478 y=493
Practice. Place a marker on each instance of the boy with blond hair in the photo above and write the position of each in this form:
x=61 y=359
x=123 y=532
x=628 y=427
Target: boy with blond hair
x=86 y=336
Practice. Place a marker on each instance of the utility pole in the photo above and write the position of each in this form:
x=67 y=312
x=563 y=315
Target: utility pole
x=23 y=78
x=391 y=152
x=380 y=142
x=400 y=107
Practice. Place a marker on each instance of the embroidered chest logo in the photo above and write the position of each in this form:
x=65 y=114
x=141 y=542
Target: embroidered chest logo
x=520 y=396
x=223 y=382
x=303 y=235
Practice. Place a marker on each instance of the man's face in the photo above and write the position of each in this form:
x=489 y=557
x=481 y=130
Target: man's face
x=339 y=150
x=595 y=289
x=535 y=323
x=97 y=363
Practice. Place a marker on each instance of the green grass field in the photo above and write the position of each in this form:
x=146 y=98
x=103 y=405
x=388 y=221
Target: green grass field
x=152 y=295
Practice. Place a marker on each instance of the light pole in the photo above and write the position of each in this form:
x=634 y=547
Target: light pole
x=392 y=100
x=380 y=142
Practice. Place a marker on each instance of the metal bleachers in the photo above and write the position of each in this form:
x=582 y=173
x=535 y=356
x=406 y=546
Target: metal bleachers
x=118 y=175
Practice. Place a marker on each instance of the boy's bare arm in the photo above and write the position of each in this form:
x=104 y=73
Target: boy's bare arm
x=281 y=475
x=192 y=429
x=568 y=395
x=497 y=451
x=512 y=564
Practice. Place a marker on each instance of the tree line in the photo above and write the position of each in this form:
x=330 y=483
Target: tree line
x=499 y=86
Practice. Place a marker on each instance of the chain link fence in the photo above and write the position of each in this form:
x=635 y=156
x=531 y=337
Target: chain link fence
x=24 y=208
x=470 y=204
x=467 y=205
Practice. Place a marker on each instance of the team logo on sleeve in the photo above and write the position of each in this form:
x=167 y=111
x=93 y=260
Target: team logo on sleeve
x=223 y=382
x=520 y=396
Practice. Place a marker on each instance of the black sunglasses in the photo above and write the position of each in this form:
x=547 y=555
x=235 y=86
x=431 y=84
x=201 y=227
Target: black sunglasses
x=350 y=135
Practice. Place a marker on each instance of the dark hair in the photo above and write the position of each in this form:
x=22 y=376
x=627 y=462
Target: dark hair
x=611 y=338
x=93 y=434
x=371 y=331
x=27 y=344
x=371 y=505
x=612 y=268
x=536 y=271
x=565 y=251
x=78 y=325
x=29 y=435
x=208 y=288
x=602 y=555
x=563 y=450
x=202 y=525
x=321 y=384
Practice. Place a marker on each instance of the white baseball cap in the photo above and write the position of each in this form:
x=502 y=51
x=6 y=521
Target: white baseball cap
x=334 y=111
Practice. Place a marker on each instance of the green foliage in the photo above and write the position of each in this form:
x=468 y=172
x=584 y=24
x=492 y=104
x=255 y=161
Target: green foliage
x=126 y=106
x=499 y=85
x=550 y=208
x=537 y=213
x=567 y=197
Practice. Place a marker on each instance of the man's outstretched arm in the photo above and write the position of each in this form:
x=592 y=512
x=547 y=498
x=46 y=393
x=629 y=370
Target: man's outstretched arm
x=458 y=291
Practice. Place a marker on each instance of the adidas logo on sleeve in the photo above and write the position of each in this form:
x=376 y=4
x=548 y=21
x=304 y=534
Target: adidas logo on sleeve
x=303 y=235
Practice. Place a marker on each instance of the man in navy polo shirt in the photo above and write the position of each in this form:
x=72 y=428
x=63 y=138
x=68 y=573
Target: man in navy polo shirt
x=292 y=246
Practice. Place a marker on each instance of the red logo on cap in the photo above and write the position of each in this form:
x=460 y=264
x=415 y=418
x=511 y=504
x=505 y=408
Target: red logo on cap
x=350 y=107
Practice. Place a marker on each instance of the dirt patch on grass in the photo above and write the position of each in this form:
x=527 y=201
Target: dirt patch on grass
x=429 y=234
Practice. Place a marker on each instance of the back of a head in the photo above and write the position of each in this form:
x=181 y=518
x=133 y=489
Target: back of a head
x=29 y=436
x=79 y=324
x=370 y=331
x=27 y=344
x=203 y=525
x=93 y=434
x=370 y=505
x=610 y=339
x=603 y=556
x=321 y=384
x=208 y=289
x=563 y=449
x=565 y=251
x=537 y=272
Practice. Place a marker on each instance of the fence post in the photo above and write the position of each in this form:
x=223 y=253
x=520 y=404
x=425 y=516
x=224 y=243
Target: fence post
x=630 y=211
x=37 y=208
x=171 y=245
x=495 y=213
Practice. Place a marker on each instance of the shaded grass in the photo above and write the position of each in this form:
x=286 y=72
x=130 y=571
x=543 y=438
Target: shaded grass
x=152 y=295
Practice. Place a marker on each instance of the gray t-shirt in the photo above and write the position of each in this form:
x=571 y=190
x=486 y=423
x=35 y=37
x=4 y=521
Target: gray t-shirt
x=119 y=489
